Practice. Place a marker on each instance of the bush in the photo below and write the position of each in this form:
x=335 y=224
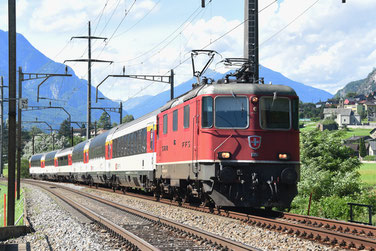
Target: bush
x=370 y=158
x=330 y=173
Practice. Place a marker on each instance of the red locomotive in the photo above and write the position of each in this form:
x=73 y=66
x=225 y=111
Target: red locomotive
x=230 y=143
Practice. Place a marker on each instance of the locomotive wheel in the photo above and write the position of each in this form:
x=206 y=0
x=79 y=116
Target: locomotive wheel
x=124 y=190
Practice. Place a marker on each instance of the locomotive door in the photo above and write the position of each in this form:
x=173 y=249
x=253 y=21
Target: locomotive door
x=195 y=131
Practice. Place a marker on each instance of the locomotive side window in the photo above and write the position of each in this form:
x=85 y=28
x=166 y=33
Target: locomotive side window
x=275 y=113
x=295 y=114
x=175 y=120
x=186 y=116
x=231 y=112
x=207 y=112
x=165 y=120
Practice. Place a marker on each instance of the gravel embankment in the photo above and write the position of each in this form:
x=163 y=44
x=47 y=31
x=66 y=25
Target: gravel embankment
x=56 y=229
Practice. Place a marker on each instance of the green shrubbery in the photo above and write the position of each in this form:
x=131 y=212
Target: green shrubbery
x=370 y=158
x=330 y=173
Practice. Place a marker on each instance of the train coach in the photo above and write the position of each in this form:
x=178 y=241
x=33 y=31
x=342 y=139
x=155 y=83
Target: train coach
x=225 y=143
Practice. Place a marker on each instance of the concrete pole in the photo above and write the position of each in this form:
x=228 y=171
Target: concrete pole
x=19 y=131
x=251 y=37
x=89 y=88
x=12 y=110
x=1 y=128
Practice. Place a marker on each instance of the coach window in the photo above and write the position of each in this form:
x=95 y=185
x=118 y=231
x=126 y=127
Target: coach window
x=151 y=140
x=175 y=120
x=207 y=112
x=186 y=116
x=144 y=136
x=165 y=120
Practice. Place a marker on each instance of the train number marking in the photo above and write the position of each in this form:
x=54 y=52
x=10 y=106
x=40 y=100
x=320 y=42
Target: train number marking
x=164 y=148
x=186 y=144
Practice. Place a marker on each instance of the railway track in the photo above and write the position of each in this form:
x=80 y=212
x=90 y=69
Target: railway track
x=327 y=231
x=202 y=239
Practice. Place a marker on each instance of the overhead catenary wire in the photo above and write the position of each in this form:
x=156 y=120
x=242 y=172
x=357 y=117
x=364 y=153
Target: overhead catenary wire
x=199 y=10
x=139 y=21
x=100 y=17
x=237 y=26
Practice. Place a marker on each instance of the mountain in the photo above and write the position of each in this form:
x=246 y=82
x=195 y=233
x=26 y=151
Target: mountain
x=305 y=93
x=71 y=92
x=68 y=92
x=363 y=86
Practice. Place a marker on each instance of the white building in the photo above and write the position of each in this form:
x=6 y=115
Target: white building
x=342 y=116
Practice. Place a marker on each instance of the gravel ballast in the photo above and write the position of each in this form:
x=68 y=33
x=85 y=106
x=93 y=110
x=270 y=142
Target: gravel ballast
x=56 y=229
x=236 y=230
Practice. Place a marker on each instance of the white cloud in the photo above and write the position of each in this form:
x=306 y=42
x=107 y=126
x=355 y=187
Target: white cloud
x=326 y=47
x=141 y=8
x=65 y=15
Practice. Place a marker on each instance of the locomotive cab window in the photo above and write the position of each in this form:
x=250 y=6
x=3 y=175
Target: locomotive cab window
x=207 y=112
x=231 y=112
x=275 y=113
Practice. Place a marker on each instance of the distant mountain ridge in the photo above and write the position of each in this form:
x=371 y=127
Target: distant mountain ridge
x=74 y=90
x=305 y=93
x=363 y=86
x=70 y=89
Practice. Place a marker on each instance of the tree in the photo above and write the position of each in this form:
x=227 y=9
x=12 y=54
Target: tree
x=329 y=173
x=362 y=148
x=104 y=121
x=351 y=95
x=127 y=118
x=65 y=128
x=327 y=167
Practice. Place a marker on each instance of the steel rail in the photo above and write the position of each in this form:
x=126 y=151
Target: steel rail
x=131 y=239
x=345 y=234
x=329 y=235
x=341 y=226
x=215 y=240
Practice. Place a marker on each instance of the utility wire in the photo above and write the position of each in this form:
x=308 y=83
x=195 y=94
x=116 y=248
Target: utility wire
x=130 y=28
x=100 y=17
x=165 y=39
x=274 y=35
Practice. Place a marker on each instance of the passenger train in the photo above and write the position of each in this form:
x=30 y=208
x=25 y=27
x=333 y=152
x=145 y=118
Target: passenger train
x=227 y=143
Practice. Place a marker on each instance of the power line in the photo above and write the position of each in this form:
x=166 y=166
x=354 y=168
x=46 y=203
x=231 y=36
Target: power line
x=296 y=18
x=100 y=17
x=165 y=39
x=130 y=28
x=112 y=14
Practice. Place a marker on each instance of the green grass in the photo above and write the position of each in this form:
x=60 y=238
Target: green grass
x=19 y=206
x=5 y=171
x=368 y=173
x=356 y=132
x=308 y=126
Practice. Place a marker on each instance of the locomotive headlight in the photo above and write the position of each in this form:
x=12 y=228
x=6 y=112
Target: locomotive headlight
x=224 y=155
x=283 y=156
x=254 y=100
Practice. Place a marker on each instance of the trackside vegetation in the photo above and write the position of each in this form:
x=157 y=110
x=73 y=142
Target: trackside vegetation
x=330 y=172
x=19 y=205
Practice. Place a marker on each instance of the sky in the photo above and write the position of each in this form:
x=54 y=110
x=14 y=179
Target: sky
x=321 y=43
